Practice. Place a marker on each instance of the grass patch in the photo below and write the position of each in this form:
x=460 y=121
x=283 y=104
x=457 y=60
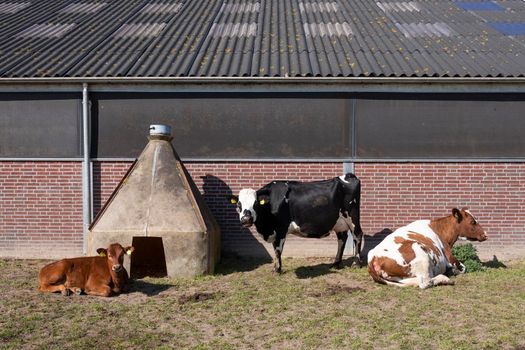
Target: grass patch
x=468 y=255
x=307 y=307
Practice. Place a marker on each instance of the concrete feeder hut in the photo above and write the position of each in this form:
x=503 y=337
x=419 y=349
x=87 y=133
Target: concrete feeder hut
x=158 y=209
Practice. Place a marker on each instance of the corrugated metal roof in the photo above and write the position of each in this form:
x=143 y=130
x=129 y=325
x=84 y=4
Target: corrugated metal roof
x=268 y=38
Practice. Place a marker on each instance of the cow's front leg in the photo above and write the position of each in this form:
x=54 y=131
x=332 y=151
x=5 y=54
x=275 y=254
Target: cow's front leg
x=99 y=290
x=342 y=237
x=278 y=246
x=457 y=266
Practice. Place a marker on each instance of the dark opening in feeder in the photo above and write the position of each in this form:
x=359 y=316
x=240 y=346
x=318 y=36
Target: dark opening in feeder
x=148 y=258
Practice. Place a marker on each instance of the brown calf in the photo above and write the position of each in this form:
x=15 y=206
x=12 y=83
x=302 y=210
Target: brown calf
x=101 y=275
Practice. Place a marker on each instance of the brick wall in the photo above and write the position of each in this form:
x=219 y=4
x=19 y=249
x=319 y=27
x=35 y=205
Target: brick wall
x=106 y=177
x=40 y=209
x=41 y=202
x=394 y=194
x=217 y=180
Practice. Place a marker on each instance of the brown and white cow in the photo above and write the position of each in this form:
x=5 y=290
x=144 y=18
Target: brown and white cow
x=101 y=275
x=420 y=253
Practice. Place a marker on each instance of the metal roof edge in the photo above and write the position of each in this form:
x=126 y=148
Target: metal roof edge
x=269 y=84
x=264 y=80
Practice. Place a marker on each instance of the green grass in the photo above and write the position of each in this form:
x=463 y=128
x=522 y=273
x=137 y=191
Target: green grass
x=468 y=255
x=309 y=306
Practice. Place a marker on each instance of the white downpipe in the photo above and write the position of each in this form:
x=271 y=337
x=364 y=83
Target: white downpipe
x=86 y=169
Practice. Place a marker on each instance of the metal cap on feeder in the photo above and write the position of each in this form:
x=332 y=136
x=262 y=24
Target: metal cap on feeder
x=160 y=131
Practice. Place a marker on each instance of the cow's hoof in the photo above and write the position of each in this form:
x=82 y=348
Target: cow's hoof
x=65 y=292
x=359 y=262
x=277 y=270
x=462 y=268
x=77 y=291
x=459 y=269
x=337 y=265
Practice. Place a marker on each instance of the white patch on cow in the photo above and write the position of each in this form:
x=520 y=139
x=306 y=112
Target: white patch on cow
x=350 y=247
x=463 y=268
x=425 y=265
x=441 y=280
x=294 y=226
x=473 y=217
x=421 y=267
x=343 y=224
x=342 y=177
x=271 y=238
x=281 y=245
x=294 y=229
x=247 y=198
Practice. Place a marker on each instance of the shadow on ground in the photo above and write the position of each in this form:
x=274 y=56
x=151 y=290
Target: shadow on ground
x=147 y=288
x=233 y=263
x=371 y=241
x=313 y=271
x=494 y=263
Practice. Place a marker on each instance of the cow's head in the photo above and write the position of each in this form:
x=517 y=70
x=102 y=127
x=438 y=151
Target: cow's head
x=248 y=203
x=115 y=255
x=468 y=226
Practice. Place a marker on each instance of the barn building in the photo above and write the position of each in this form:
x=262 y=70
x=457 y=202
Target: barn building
x=423 y=100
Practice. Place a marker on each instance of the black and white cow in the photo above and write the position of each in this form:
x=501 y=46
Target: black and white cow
x=306 y=209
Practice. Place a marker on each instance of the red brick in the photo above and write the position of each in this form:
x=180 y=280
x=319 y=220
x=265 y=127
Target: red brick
x=41 y=202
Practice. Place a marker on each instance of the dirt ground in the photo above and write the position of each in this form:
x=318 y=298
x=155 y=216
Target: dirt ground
x=247 y=306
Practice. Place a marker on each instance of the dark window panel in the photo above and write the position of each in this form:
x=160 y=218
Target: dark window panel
x=228 y=127
x=40 y=125
x=440 y=128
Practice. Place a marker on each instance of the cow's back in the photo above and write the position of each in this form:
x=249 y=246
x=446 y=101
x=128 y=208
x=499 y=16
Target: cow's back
x=53 y=273
x=76 y=271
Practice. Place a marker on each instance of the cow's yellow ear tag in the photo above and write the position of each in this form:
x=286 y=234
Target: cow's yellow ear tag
x=102 y=254
x=262 y=202
x=233 y=201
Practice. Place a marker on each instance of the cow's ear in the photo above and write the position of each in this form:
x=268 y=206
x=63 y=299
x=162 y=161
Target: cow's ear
x=130 y=250
x=102 y=252
x=232 y=199
x=457 y=214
